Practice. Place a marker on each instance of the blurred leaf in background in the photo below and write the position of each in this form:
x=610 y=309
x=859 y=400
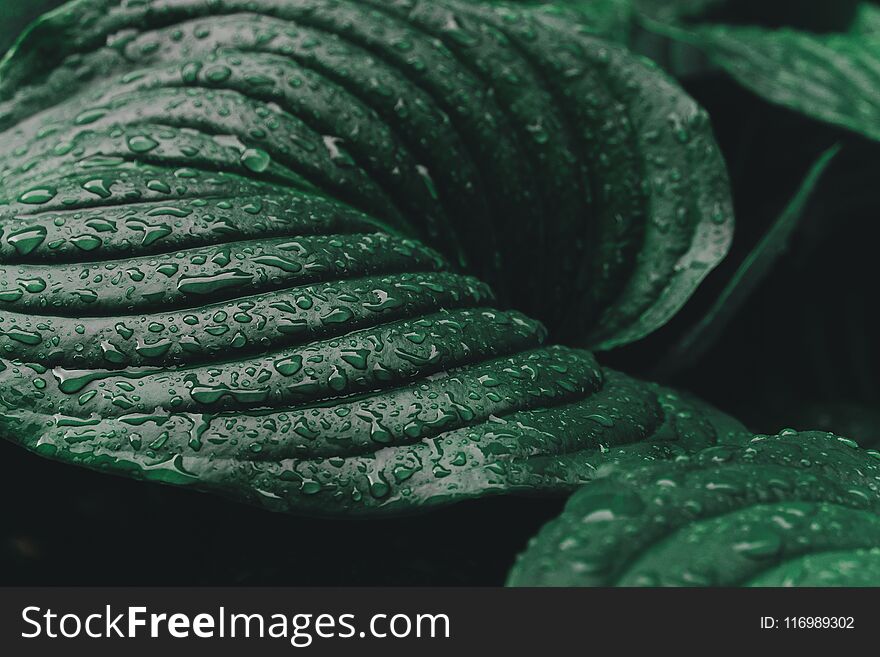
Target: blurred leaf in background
x=16 y=14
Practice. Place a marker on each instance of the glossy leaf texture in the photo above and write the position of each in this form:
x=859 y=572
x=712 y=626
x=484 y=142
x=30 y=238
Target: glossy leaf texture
x=574 y=178
x=831 y=77
x=196 y=290
x=792 y=509
x=389 y=418
x=342 y=371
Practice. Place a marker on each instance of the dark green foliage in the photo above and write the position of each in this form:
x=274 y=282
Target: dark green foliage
x=343 y=258
x=545 y=419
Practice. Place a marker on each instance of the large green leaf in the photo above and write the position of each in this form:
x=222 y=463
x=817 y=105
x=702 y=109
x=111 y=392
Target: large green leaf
x=196 y=289
x=832 y=77
x=789 y=509
x=578 y=181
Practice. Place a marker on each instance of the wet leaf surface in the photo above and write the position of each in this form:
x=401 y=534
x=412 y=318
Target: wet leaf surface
x=210 y=266
x=792 y=509
x=573 y=177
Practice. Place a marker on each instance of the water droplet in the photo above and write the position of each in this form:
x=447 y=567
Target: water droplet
x=141 y=144
x=27 y=239
x=37 y=196
x=255 y=159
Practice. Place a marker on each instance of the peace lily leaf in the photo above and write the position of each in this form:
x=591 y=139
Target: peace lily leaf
x=667 y=31
x=577 y=180
x=797 y=509
x=196 y=289
x=831 y=77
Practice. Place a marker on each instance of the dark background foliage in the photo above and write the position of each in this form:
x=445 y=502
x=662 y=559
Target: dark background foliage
x=800 y=353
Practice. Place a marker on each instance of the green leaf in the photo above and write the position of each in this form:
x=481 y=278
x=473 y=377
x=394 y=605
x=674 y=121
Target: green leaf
x=17 y=14
x=338 y=435
x=867 y=20
x=795 y=509
x=754 y=269
x=830 y=77
x=577 y=180
x=209 y=271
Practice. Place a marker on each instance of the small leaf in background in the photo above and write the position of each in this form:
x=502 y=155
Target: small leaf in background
x=756 y=266
x=831 y=77
x=867 y=20
x=792 y=509
x=17 y=14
